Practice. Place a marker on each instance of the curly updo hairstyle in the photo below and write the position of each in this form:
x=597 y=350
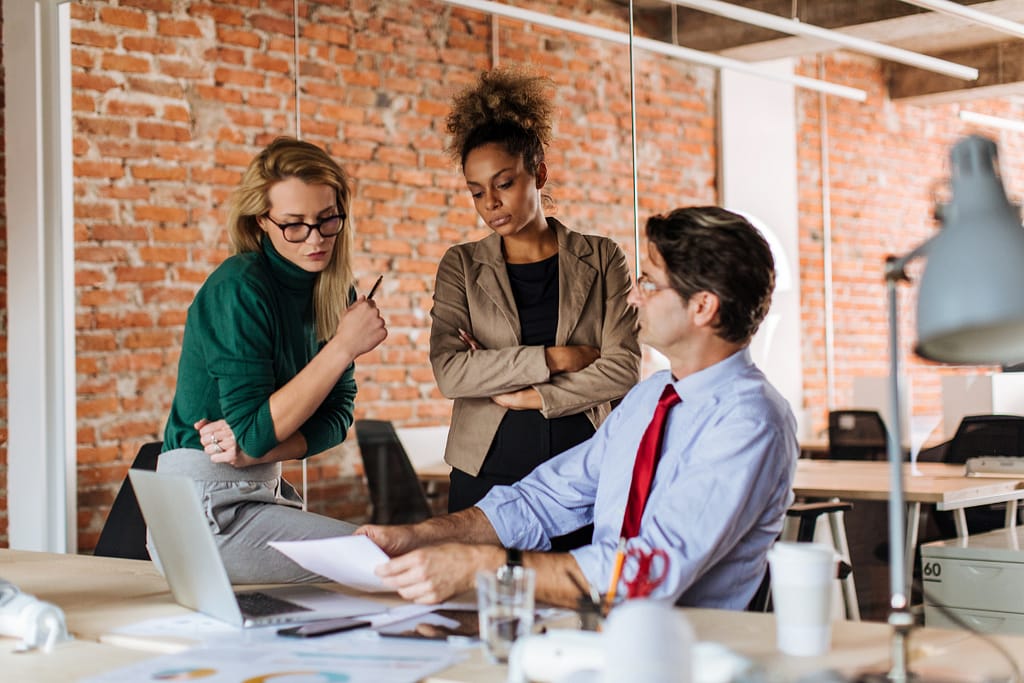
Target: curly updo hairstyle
x=506 y=106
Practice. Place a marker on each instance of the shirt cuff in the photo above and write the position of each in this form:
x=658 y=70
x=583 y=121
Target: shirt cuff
x=514 y=522
x=595 y=564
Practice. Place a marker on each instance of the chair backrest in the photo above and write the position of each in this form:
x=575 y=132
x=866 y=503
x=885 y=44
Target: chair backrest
x=980 y=435
x=124 y=532
x=856 y=435
x=395 y=490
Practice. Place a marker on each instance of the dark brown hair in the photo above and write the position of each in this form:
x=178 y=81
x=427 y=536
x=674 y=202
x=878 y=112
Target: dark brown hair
x=709 y=249
x=506 y=106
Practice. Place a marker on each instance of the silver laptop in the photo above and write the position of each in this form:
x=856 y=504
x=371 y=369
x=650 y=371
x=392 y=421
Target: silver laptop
x=194 y=570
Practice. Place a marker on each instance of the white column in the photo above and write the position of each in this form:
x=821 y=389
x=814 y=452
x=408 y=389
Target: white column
x=41 y=490
x=759 y=179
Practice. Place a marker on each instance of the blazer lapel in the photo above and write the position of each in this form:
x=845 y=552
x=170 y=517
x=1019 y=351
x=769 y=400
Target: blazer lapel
x=492 y=279
x=575 y=281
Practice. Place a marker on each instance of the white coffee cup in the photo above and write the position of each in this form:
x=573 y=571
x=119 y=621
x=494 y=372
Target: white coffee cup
x=802 y=581
x=648 y=640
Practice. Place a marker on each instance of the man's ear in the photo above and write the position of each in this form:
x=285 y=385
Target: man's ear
x=705 y=308
x=542 y=174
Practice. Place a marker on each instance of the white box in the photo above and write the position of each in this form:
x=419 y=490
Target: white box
x=991 y=394
x=872 y=393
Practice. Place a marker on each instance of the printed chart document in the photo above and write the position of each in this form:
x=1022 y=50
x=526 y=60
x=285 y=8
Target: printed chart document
x=349 y=560
x=352 y=657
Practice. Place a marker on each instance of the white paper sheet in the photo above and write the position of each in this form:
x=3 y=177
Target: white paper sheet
x=349 y=560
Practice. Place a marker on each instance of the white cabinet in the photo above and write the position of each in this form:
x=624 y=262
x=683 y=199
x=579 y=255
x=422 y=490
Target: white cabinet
x=980 y=579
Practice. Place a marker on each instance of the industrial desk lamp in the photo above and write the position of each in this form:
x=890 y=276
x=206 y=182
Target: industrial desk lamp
x=970 y=310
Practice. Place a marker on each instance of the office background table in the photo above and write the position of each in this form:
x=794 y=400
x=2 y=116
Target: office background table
x=100 y=594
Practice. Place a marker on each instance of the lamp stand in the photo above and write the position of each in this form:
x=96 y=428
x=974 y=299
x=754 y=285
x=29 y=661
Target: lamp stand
x=900 y=618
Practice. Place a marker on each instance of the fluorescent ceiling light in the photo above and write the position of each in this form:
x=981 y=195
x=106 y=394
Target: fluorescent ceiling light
x=798 y=28
x=684 y=53
x=972 y=15
x=992 y=121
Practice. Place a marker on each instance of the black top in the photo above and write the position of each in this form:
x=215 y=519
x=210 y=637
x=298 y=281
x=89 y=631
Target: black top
x=525 y=438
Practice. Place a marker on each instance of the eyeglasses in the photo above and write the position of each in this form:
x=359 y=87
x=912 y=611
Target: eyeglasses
x=299 y=231
x=647 y=286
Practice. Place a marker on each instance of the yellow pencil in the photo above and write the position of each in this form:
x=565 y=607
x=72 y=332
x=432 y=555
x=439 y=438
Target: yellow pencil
x=620 y=559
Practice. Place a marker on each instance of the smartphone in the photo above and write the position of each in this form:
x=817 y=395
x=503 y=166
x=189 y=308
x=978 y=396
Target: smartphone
x=323 y=627
x=440 y=624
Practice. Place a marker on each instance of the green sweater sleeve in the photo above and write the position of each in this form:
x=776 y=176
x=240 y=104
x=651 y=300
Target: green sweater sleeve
x=238 y=330
x=329 y=425
x=249 y=332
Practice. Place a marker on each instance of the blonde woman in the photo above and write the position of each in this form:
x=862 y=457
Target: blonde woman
x=266 y=371
x=531 y=332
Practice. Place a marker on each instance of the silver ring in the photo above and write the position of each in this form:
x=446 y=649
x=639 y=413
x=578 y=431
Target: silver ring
x=214 y=440
x=217 y=447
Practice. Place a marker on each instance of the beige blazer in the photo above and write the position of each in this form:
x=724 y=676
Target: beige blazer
x=473 y=292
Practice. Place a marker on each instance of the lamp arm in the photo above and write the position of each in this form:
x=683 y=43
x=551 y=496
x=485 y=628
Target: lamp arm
x=899 y=617
x=895 y=266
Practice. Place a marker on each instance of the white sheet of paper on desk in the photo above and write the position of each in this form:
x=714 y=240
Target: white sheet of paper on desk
x=349 y=560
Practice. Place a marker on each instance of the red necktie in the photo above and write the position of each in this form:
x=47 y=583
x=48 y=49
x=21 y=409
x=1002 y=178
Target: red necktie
x=646 y=463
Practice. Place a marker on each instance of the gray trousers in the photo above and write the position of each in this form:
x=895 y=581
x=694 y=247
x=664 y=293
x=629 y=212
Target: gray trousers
x=248 y=507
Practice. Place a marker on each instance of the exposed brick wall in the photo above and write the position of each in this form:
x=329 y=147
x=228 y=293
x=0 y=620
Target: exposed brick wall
x=171 y=100
x=3 y=299
x=886 y=159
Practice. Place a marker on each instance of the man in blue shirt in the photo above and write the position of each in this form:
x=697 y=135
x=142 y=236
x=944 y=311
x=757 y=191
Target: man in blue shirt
x=728 y=452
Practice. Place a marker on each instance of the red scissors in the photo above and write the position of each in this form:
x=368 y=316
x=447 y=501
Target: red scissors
x=644 y=571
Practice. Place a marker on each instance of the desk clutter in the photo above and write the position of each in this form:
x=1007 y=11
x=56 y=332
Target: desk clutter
x=38 y=624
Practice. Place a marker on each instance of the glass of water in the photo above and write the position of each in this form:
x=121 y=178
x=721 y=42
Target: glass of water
x=505 y=602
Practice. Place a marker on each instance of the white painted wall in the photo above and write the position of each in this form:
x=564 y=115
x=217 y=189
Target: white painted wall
x=758 y=178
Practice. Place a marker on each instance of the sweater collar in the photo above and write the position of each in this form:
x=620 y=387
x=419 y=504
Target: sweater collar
x=284 y=271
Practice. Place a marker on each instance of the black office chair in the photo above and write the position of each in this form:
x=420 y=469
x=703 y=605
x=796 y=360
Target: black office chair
x=807 y=514
x=856 y=435
x=983 y=435
x=395 y=491
x=124 y=532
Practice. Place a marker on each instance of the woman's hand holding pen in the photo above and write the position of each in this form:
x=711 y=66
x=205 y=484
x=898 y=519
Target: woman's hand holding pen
x=361 y=328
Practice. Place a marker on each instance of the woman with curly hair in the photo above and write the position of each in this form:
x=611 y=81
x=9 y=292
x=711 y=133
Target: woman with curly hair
x=531 y=333
x=266 y=372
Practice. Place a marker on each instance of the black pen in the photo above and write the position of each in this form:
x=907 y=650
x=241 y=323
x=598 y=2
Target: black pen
x=373 y=290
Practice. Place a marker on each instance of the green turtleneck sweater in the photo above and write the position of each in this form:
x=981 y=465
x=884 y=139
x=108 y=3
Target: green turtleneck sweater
x=249 y=331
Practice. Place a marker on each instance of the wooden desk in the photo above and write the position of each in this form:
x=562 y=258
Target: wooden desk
x=943 y=485
x=856 y=647
x=99 y=594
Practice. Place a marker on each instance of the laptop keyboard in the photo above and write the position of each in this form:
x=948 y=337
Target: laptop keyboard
x=258 y=604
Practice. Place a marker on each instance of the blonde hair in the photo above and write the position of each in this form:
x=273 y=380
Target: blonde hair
x=507 y=106
x=286 y=158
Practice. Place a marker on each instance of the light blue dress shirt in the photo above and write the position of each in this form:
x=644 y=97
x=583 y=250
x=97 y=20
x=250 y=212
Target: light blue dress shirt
x=717 y=502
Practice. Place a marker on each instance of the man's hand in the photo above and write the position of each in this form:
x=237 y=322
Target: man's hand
x=434 y=574
x=393 y=540
x=570 y=358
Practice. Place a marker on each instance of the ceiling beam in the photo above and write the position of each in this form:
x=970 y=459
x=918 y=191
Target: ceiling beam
x=702 y=31
x=1001 y=67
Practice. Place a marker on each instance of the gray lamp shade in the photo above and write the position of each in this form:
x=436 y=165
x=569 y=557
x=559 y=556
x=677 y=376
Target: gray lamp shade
x=970 y=305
